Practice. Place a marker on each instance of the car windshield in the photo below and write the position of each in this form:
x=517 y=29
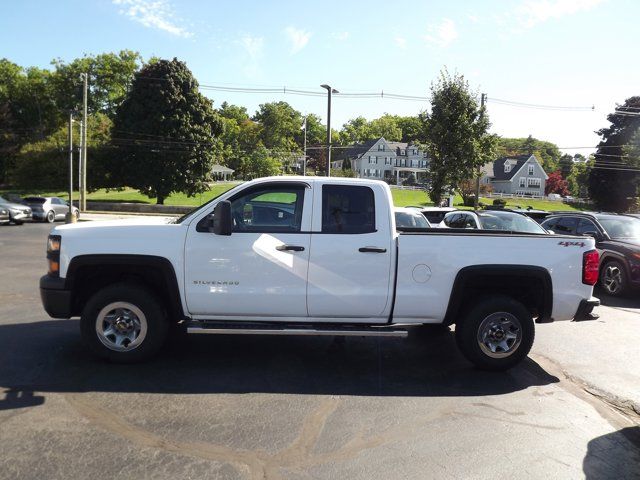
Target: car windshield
x=621 y=227
x=510 y=221
x=411 y=220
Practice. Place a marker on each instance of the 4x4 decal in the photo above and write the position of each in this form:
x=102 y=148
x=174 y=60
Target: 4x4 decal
x=571 y=244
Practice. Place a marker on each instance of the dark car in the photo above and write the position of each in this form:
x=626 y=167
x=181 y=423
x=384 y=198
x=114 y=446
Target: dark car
x=617 y=239
x=537 y=215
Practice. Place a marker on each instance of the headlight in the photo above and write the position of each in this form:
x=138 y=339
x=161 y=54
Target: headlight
x=53 y=254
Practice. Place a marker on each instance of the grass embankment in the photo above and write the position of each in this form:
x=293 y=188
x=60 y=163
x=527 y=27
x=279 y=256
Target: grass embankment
x=401 y=198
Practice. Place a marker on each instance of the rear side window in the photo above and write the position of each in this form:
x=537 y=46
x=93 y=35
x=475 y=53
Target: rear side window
x=586 y=226
x=348 y=209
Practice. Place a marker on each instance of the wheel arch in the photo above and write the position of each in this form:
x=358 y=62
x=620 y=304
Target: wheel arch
x=87 y=274
x=530 y=285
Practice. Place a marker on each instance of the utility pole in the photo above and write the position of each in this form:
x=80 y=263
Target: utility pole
x=80 y=162
x=304 y=160
x=329 y=92
x=69 y=216
x=83 y=191
x=483 y=97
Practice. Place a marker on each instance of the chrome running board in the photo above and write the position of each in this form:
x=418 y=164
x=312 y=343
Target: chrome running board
x=274 y=329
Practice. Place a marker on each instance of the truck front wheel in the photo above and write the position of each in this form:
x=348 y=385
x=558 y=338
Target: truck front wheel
x=124 y=323
x=496 y=334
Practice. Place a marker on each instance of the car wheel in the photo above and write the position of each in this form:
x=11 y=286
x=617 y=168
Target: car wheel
x=17 y=222
x=613 y=278
x=496 y=333
x=124 y=323
x=51 y=216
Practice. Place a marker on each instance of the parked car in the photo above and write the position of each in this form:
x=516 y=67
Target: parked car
x=4 y=216
x=310 y=256
x=617 y=239
x=537 y=215
x=492 y=220
x=435 y=214
x=49 y=209
x=18 y=212
x=409 y=217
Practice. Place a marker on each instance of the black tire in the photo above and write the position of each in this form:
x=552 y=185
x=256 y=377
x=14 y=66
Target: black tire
x=17 y=222
x=613 y=278
x=148 y=307
x=50 y=217
x=509 y=317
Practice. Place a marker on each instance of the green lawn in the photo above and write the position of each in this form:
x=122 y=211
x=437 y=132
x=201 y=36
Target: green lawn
x=401 y=198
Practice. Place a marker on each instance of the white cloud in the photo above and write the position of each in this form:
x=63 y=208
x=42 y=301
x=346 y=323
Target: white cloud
x=298 y=38
x=533 y=12
x=442 y=34
x=153 y=14
x=400 y=42
x=253 y=45
x=341 y=36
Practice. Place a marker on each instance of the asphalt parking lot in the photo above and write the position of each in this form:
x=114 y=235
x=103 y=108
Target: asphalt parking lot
x=236 y=407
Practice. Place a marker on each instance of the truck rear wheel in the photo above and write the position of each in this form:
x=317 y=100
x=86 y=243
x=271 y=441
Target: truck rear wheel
x=124 y=323
x=496 y=334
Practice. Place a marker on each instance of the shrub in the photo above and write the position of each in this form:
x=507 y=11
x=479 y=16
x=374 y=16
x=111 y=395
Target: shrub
x=499 y=202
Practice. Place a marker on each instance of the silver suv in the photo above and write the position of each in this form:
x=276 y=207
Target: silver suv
x=18 y=212
x=49 y=209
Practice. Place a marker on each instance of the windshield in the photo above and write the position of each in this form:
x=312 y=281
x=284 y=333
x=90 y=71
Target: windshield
x=411 y=220
x=510 y=221
x=621 y=227
x=187 y=215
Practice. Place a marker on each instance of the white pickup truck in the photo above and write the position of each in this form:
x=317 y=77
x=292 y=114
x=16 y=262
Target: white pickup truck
x=311 y=256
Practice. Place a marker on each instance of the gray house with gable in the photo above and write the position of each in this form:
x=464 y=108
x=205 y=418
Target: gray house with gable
x=517 y=175
x=380 y=159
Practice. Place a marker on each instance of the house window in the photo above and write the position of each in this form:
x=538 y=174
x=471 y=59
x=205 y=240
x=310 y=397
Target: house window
x=522 y=182
x=402 y=152
x=507 y=167
x=530 y=169
x=373 y=159
x=533 y=182
x=387 y=160
x=381 y=147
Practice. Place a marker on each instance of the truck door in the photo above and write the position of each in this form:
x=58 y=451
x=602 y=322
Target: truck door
x=260 y=270
x=351 y=253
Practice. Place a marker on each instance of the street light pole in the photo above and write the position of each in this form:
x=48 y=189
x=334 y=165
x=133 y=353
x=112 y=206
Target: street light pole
x=69 y=217
x=329 y=92
x=83 y=190
x=304 y=160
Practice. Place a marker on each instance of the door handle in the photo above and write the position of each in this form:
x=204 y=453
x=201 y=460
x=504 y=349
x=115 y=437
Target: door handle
x=372 y=249
x=290 y=248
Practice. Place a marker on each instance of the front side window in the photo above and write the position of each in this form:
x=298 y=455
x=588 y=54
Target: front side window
x=268 y=209
x=586 y=226
x=348 y=209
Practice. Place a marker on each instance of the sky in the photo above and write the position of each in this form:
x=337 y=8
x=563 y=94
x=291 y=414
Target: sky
x=559 y=53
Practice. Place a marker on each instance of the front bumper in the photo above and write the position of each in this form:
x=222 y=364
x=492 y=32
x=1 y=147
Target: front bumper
x=585 y=308
x=20 y=216
x=56 y=300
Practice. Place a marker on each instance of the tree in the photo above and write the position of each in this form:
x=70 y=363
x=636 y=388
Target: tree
x=387 y=127
x=556 y=184
x=280 y=124
x=566 y=165
x=356 y=130
x=613 y=182
x=260 y=164
x=110 y=76
x=167 y=132
x=578 y=181
x=457 y=135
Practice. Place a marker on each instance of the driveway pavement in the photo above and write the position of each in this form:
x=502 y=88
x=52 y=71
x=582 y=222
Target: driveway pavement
x=235 y=407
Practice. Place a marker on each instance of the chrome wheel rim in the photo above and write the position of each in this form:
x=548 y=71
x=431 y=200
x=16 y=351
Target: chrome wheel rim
x=612 y=279
x=50 y=217
x=121 y=326
x=499 y=335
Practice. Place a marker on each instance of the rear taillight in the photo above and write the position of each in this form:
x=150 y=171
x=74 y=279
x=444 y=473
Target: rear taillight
x=590 y=264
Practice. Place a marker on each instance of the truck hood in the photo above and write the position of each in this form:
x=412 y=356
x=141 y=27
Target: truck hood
x=108 y=224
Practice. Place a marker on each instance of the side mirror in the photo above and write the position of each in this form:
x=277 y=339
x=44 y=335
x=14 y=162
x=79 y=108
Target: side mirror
x=222 y=224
